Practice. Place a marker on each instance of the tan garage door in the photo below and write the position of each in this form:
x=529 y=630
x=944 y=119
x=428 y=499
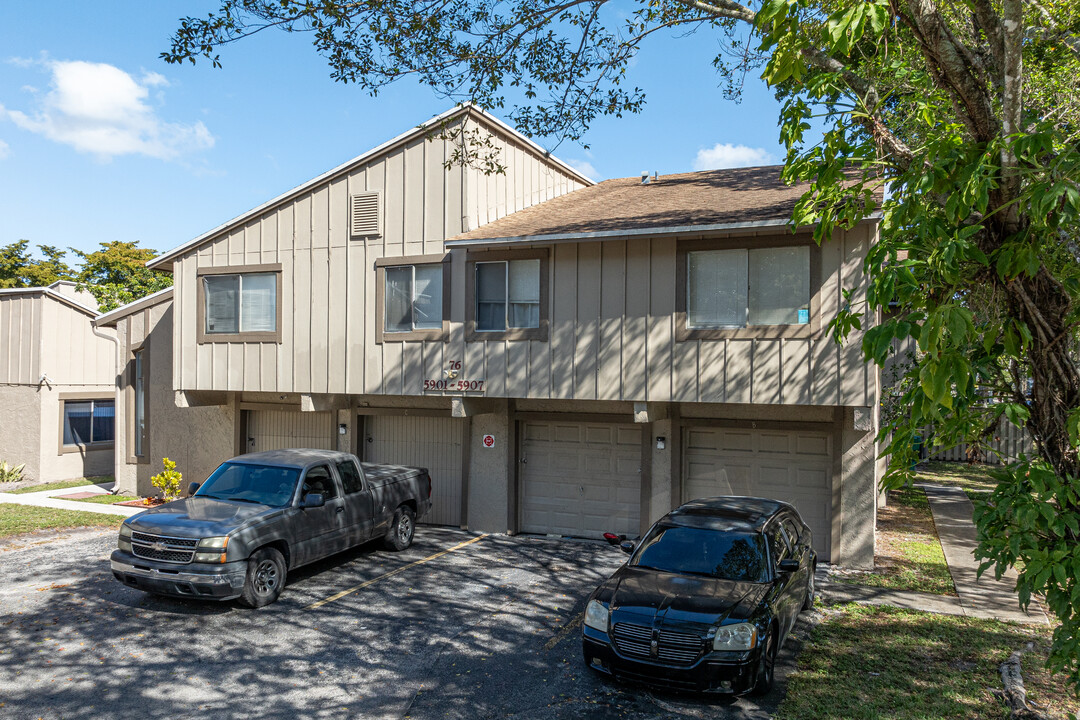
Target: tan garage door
x=269 y=430
x=790 y=465
x=580 y=479
x=430 y=442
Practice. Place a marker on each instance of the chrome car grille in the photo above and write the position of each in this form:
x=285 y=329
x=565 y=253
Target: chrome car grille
x=163 y=548
x=673 y=647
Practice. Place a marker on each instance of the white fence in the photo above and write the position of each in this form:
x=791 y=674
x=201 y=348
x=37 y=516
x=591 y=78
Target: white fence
x=1005 y=446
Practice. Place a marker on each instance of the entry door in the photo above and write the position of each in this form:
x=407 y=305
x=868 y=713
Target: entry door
x=430 y=442
x=580 y=479
x=790 y=465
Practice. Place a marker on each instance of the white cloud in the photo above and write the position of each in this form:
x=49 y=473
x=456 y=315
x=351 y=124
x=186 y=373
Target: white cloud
x=585 y=168
x=5 y=149
x=100 y=109
x=726 y=155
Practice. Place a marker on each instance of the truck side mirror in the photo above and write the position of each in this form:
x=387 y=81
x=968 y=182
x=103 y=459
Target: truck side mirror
x=313 y=500
x=193 y=488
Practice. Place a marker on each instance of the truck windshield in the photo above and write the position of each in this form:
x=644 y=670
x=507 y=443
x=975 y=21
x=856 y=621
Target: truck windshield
x=263 y=484
x=699 y=551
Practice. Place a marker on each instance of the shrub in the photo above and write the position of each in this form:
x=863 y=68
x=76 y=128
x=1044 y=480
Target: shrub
x=9 y=473
x=168 y=481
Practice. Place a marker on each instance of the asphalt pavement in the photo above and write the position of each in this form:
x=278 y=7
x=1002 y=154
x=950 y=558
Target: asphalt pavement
x=487 y=630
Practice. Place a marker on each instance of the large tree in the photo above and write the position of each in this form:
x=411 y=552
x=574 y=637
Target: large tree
x=117 y=274
x=967 y=109
x=18 y=269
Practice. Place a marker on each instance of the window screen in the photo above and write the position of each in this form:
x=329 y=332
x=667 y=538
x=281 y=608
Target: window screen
x=491 y=296
x=716 y=288
x=413 y=298
x=222 y=308
x=524 y=294
x=780 y=286
x=427 y=300
x=398 y=300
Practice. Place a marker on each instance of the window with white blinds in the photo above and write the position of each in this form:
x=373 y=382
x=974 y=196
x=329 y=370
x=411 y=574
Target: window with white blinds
x=242 y=303
x=507 y=295
x=742 y=287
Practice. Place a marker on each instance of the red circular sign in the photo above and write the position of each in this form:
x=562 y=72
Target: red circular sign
x=489 y=441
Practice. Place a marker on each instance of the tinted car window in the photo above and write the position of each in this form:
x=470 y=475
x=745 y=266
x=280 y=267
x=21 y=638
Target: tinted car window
x=779 y=544
x=318 y=480
x=696 y=551
x=350 y=476
x=792 y=530
x=263 y=484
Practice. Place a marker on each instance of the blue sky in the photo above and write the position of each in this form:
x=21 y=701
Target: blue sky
x=100 y=140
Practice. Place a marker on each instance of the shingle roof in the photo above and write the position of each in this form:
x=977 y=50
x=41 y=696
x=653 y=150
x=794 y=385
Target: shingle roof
x=743 y=196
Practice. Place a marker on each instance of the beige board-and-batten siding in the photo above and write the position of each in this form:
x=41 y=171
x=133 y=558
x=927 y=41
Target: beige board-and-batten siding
x=612 y=336
x=328 y=278
x=41 y=335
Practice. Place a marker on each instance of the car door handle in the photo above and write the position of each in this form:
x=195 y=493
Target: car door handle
x=341 y=508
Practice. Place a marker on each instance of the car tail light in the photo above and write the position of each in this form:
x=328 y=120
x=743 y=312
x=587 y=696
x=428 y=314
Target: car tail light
x=430 y=482
x=610 y=537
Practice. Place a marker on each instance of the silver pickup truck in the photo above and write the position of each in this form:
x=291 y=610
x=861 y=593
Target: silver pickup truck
x=260 y=515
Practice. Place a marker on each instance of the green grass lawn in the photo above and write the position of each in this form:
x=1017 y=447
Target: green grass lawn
x=62 y=485
x=20 y=519
x=106 y=499
x=908 y=555
x=970 y=478
x=877 y=662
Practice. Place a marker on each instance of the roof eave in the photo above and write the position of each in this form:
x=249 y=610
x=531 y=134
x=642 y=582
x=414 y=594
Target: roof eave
x=111 y=318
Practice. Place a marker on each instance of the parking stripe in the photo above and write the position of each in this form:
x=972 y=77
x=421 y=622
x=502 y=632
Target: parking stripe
x=564 y=631
x=401 y=569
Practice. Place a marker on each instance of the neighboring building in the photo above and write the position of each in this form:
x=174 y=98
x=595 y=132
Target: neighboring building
x=565 y=357
x=57 y=384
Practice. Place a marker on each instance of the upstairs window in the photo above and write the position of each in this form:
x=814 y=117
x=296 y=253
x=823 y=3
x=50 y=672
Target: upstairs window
x=740 y=287
x=414 y=298
x=507 y=295
x=239 y=306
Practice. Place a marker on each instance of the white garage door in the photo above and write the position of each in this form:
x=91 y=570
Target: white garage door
x=430 y=442
x=794 y=466
x=268 y=430
x=580 y=479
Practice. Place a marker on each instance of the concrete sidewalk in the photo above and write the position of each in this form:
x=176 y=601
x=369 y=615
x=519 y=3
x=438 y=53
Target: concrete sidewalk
x=981 y=597
x=47 y=498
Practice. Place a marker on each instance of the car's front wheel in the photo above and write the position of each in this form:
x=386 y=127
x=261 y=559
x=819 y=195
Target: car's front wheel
x=402 y=529
x=265 y=578
x=766 y=666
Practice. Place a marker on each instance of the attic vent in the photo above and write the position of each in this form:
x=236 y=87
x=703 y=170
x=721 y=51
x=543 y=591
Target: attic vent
x=365 y=214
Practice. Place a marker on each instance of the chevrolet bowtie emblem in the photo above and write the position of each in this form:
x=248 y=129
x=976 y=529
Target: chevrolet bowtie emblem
x=158 y=546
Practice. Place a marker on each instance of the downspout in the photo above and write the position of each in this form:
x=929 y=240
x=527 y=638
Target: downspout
x=117 y=450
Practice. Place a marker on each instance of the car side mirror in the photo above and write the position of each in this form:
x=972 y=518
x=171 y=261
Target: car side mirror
x=613 y=539
x=788 y=566
x=627 y=546
x=313 y=500
x=193 y=488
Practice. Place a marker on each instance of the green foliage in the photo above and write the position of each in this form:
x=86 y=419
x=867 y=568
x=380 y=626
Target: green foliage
x=1022 y=525
x=9 y=473
x=19 y=270
x=117 y=274
x=168 y=481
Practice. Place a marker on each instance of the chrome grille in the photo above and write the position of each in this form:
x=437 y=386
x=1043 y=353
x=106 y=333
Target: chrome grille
x=163 y=548
x=673 y=647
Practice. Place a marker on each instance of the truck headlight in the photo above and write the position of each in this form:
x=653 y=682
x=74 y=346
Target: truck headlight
x=597 y=616
x=211 y=550
x=125 y=530
x=214 y=543
x=740 y=636
x=124 y=541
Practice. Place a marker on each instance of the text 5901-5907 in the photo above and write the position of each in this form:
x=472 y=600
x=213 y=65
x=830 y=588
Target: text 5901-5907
x=454 y=385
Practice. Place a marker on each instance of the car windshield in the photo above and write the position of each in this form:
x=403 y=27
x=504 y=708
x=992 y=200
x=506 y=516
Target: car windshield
x=697 y=551
x=263 y=484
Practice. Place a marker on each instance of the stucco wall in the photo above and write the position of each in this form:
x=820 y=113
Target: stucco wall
x=858 y=491
x=488 y=481
x=20 y=420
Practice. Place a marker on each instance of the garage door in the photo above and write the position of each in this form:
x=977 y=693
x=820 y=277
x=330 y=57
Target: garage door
x=580 y=479
x=268 y=430
x=793 y=466
x=430 y=442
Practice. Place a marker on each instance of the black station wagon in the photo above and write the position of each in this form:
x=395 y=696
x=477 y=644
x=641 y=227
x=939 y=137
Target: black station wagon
x=706 y=599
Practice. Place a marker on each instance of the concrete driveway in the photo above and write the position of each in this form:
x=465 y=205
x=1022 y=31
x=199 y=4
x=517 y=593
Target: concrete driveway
x=486 y=630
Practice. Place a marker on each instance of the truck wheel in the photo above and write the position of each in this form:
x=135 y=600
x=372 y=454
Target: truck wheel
x=265 y=578
x=401 y=530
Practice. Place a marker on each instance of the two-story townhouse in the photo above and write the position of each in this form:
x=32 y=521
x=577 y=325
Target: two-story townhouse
x=57 y=383
x=566 y=357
